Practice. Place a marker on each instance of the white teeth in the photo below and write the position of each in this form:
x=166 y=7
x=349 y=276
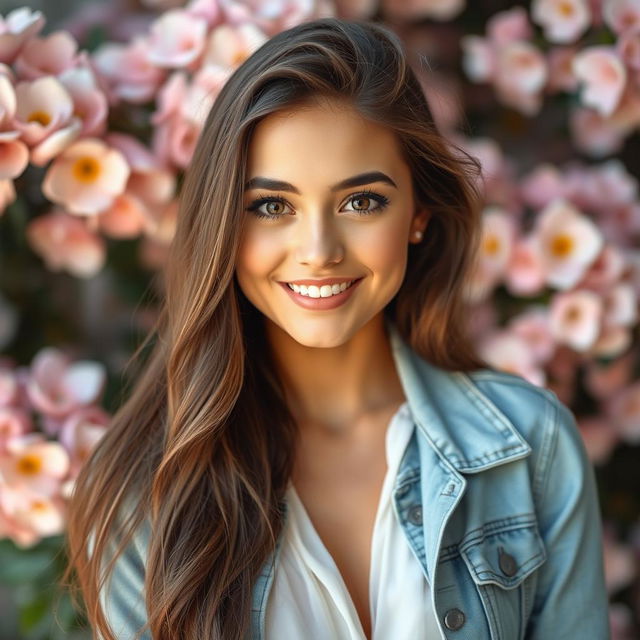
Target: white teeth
x=325 y=291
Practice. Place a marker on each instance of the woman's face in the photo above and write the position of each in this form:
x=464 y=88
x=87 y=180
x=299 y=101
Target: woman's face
x=329 y=205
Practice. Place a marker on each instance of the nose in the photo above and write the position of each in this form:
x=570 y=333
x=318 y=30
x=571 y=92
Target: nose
x=318 y=242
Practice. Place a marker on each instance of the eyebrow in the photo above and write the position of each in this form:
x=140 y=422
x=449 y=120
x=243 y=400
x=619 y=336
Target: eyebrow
x=260 y=182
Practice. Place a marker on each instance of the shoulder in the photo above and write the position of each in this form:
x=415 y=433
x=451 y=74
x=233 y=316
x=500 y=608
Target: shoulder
x=540 y=418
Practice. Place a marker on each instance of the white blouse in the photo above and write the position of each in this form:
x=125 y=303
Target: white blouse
x=309 y=598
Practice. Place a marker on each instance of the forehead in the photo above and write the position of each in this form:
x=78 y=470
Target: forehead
x=325 y=139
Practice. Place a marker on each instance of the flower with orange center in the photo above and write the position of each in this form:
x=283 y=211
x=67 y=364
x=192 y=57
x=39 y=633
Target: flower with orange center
x=569 y=243
x=575 y=318
x=562 y=20
x=35 y=464
x=87 y=177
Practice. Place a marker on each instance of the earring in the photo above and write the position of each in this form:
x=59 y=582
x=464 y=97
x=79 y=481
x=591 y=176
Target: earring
x=417 y=234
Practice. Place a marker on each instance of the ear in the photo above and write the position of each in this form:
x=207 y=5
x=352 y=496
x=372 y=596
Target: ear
x=419 y=222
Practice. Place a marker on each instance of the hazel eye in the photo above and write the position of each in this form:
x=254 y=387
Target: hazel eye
x=363 y=200
x=272 y=204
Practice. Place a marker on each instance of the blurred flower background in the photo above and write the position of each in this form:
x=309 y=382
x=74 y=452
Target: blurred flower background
x=100 y=108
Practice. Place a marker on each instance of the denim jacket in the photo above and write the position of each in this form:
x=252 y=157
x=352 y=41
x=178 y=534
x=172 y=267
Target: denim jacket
x=498 y=502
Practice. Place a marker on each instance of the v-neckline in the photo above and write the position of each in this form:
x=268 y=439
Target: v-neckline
x=327 y=558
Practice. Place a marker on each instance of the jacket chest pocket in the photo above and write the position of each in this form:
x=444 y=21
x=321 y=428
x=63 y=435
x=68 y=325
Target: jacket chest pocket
x=501 y=558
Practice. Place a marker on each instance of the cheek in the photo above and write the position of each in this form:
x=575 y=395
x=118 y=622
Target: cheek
x=260 y=251
x=385 y=252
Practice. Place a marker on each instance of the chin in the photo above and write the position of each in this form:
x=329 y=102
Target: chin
x=318 y=337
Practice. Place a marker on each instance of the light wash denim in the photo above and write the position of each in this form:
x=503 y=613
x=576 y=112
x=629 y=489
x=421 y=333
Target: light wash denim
x=498 y=502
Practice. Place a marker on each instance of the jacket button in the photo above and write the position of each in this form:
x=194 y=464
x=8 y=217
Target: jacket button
x=415 y=514
x=453 y=619
x=507 y=563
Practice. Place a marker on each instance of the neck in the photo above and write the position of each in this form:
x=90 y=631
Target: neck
x=334 y=387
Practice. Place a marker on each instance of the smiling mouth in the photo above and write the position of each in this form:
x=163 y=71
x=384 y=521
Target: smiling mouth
x=325 y=291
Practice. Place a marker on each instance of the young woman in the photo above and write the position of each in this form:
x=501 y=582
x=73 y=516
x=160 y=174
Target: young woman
x=313 y=449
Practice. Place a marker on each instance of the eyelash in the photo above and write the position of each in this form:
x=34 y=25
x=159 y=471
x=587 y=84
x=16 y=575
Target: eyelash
x=254 y=207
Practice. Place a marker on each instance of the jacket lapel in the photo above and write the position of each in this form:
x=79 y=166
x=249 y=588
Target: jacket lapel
x=460 y=431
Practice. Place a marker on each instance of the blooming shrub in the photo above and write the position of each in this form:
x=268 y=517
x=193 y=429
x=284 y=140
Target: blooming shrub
x=93 y=145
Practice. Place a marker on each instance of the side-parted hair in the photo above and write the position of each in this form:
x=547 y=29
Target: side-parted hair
x=204 y=444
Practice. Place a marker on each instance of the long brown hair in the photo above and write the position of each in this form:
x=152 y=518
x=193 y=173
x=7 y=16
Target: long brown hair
x=204 y=444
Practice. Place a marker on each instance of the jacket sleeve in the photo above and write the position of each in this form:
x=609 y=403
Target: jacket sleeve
x=571 y=599
x=122 y=597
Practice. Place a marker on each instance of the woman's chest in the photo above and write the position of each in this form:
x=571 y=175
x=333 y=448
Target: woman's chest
x=340 y=486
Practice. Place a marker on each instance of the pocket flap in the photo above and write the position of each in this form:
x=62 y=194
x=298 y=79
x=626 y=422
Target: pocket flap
x=504 y=557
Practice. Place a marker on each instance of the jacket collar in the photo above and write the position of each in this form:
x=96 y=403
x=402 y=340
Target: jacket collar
x=460 y=422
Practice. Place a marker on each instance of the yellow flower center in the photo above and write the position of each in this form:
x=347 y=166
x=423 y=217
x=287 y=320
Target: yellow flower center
x=86 y=169
x=561 y=245
x=573 y=315
x=38 y=505
x=42 y=117
x=491 y=245
x=239 y=57
x=566 y=9
x=29 y=465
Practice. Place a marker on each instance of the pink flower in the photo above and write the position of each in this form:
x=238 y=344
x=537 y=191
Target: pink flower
x=603 y=77
x=613 y=184
x=410 y=10
x=612 y=342
x=621 y=305
x=521 y=73
x=594 y=134
x=533 y=327
x=628 y=48
x=14 y=156
x=229 y=45
x=26 y=516
x=605 y=270
x=150 y=180
x=508 y=352
x=126 y=218
x=66 y=243
x=493 y=253
x=544 y=184
x=511 y=25
x=479 y=58
x=127 y=72
x=87 y=177
x=204 y=88
x=176 y=39
x=574 y=318
x=525 y=273
x=33 y=463
x=560 y=63
x=44 y=115
x=58 y=386
x=19 y=25
x=50 y=55
x=7 y=194
x=569 y=243
x=14 y=421
x=562 y=20
x=9 y=387
x=622 y=15
x=89 y=102
x=80 y=434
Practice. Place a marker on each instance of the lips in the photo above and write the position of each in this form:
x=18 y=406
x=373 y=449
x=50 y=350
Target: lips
x=322 y=302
